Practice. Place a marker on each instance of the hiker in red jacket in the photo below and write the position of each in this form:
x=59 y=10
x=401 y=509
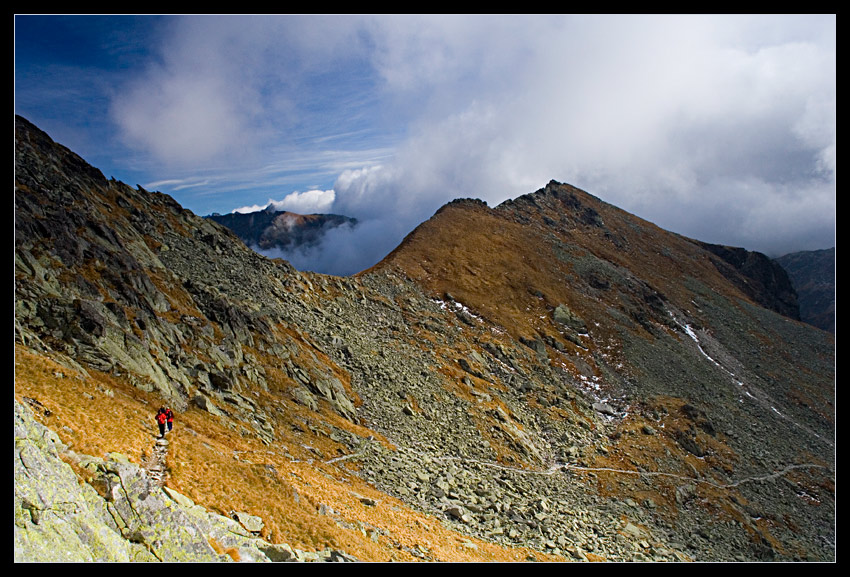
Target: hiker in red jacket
x=161 y=420
x=169 y=417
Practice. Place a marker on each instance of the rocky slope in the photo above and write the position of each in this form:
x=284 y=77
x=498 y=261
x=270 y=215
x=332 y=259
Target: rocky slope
x=550 y=379
x=120 y=513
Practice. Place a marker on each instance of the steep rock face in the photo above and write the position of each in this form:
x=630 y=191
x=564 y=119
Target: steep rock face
x=122 y=279
x=763 y=280
x=552 y=374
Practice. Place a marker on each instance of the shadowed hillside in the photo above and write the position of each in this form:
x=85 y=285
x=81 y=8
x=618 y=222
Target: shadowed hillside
x=550 y=379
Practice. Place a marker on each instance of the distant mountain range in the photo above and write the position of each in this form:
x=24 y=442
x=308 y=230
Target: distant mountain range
x=813 y=275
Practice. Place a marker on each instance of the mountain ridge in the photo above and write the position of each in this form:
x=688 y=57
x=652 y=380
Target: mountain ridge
x=553 y=380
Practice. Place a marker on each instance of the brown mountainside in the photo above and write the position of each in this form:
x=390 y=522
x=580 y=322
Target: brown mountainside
x=549 y=379
x=559 y=245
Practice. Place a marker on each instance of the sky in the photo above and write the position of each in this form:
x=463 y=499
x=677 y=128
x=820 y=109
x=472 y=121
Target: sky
x=717 y=127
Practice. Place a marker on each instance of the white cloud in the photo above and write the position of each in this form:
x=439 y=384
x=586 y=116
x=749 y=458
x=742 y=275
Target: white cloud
x=701 y=124
x=310 y=202
x=345 y=250
x=182 y=120
x=222 y=88
x=728 y=117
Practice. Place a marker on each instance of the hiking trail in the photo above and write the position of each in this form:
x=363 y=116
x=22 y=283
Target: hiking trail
x=155 y=463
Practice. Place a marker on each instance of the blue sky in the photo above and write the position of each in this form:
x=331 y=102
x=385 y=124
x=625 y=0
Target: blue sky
x=721 y=128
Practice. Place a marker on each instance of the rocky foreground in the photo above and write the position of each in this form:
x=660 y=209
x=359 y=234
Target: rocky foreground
x=121 y=513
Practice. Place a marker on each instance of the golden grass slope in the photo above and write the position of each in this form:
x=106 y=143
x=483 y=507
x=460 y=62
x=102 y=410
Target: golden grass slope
x=303 y=500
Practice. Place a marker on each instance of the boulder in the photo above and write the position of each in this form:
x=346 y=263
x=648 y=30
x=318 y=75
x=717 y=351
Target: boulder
x=563 y=315
x=252 y=523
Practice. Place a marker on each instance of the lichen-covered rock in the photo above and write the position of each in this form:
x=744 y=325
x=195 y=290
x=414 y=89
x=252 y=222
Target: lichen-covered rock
x=147 y=516
x=252 y=523
x=57 y=519
x=120 y=515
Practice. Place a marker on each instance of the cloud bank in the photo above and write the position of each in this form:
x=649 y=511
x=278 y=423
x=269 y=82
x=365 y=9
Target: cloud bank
x=721 y=128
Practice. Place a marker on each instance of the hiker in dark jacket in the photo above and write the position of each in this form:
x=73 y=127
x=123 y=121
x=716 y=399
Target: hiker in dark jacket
x=161 y=420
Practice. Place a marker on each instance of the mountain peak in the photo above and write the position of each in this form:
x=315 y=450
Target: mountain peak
x=561 y=245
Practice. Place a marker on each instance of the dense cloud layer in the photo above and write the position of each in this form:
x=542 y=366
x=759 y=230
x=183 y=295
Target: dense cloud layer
x=721 y=128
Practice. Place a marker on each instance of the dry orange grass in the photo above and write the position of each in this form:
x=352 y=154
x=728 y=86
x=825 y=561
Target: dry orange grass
x=220 y=465
x=672 y=468
x=483 y=271
x=511 y=272
x=660 y=455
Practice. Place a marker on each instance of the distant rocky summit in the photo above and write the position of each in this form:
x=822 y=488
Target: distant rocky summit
x=813 y=275
x=270 y=229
